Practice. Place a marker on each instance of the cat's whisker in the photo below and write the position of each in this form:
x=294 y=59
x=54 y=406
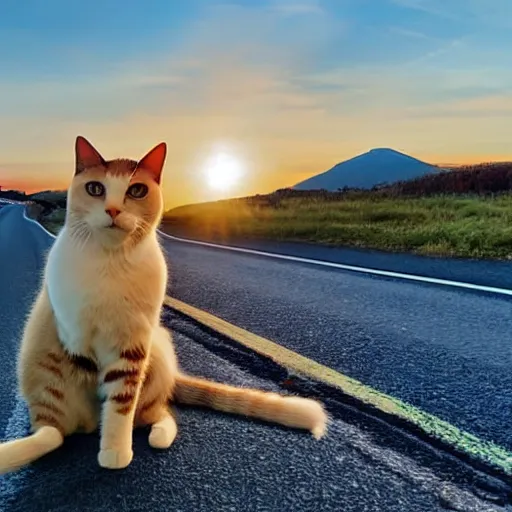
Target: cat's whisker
x=80 y=233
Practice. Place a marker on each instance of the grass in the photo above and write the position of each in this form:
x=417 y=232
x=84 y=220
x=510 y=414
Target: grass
x=457 y=226
x=54 y=220
x=454 y=226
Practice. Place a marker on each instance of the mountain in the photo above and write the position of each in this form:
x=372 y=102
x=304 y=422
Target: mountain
x=376 y=167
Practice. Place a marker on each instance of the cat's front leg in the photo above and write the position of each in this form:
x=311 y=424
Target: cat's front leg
x=121 y=382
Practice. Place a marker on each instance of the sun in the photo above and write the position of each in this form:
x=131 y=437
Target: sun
x=223 y=171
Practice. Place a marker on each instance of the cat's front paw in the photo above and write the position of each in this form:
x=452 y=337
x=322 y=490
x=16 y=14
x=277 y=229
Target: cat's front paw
x=115 y=459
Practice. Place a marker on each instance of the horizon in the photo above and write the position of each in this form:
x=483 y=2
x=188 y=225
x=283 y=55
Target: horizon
x=275 y=91
x=441 y=165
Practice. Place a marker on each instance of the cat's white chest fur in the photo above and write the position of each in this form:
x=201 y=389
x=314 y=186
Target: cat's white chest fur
x=88 y=293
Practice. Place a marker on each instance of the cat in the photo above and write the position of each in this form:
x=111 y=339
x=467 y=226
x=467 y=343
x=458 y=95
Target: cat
x=93 y=353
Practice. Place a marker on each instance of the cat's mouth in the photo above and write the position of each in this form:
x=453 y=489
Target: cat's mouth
x=115 y=226
x=119 y=226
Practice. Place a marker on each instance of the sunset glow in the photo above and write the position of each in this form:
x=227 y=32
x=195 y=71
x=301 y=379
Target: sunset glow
x=427 y=80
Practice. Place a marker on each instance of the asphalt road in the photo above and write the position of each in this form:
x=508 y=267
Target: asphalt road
x=445 y=350
x=219 y=462
x=480 y=272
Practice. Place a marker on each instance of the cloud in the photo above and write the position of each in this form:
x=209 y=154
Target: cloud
x=230 y=80
x=432 y=7
x=413 y=34
x=482 y=12
x=244 y=51
x=443 y=48
x=297 y=7
x=248 y=79
x=488 y=106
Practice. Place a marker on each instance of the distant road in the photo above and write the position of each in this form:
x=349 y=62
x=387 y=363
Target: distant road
x=219 y=462
x=480 y=272
x=21 y=264
x=445 y=350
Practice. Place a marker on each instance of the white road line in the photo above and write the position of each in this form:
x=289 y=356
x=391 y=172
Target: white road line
x=352 y=268
x=340 y=266
x=38 y=223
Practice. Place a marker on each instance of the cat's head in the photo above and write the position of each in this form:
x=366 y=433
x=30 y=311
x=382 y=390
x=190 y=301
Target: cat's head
x=115 y=201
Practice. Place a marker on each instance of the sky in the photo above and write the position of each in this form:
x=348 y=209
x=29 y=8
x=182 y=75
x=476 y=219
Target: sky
x=274 y=90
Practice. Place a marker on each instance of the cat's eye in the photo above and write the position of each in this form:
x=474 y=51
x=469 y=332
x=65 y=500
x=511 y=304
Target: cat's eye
x=95 y=188
x=138 y=190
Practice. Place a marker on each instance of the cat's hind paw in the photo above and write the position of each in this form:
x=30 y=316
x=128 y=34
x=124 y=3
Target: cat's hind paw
x=115 y=459
x=163 y=433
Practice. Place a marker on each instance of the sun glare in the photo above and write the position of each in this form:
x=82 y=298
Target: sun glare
x=223 y=171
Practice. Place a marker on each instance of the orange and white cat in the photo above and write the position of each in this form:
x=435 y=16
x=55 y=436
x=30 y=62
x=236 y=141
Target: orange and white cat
x=93 y=352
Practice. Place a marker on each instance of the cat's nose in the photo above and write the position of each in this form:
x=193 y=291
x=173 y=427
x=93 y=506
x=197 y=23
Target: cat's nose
x=113 y=212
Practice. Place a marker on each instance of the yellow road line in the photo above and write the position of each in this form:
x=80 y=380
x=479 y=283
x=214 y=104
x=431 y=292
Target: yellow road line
x=485 y=451
x=274 y=351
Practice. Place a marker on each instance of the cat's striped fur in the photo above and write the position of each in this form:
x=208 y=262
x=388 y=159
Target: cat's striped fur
x=93 y=352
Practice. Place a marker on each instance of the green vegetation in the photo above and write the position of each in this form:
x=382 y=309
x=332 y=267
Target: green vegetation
x=464 y=226
x=52 y=196
x=47 y=207
x=461 y=213
x=53 y=220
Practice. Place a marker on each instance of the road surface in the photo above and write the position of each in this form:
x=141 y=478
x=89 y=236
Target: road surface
x=219 y=462
x=445 y=350
x=480 y=272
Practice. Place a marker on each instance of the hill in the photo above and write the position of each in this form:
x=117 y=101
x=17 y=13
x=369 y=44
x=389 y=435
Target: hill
x=377 y=167
x=13 y=195
x=56 y=196
x=464 y=212
x=481 y=179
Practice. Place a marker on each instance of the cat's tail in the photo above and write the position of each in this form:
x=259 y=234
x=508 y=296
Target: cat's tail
x=19 y=452
x=291 y=411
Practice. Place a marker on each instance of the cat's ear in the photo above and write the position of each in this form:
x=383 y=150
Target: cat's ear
x=86 y=155
x=153 y=162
